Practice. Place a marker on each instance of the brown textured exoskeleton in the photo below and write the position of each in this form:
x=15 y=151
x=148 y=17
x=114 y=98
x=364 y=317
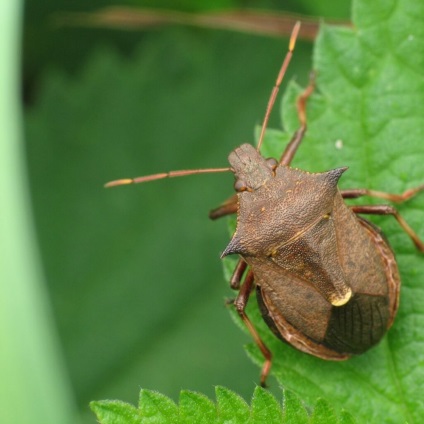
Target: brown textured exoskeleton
x=327 y=281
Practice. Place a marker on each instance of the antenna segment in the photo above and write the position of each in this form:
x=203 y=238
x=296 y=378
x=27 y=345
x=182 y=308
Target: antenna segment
x=280 y=77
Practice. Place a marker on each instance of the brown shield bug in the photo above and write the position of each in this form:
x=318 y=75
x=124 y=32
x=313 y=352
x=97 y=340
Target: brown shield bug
x=326 y=279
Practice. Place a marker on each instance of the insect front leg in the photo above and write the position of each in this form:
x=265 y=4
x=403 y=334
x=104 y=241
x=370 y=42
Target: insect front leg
x=227 y=208
x=240 y=304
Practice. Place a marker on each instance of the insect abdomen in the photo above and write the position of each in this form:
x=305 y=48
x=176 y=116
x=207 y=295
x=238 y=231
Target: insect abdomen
x=358 y=325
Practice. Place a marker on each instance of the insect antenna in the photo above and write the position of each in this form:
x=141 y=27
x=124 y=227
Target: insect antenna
x=271 y=101
x=278 y=81
x=162 y=175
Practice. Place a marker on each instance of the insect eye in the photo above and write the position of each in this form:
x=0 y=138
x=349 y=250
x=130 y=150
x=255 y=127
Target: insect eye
x=240 y=186
x=272 y=163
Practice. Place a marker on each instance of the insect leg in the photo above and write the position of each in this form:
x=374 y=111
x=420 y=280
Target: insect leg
x=227 y=208
x=390 y=210
x=240 y=304
x=238 y=273
x=397 y=198
x=297 y=138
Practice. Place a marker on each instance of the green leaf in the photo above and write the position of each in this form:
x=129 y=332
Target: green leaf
x=367 y=114
x=293 y=409
x=323 y=413
x=115 y=412
x=265 y=408
x=232 y=409
x=195 y=408
x=156 y=408
x=346 y=418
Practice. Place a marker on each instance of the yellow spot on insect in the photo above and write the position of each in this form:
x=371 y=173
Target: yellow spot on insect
x=340 y=301
x=263 y=209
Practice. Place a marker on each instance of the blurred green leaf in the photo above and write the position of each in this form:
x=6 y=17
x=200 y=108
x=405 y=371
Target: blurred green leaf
x=33 y=386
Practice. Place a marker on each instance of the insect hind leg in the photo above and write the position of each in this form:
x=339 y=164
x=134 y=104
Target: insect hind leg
x=386 y=209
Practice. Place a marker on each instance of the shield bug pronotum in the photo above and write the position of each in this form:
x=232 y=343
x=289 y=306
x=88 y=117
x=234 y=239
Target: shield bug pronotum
x=326 y=279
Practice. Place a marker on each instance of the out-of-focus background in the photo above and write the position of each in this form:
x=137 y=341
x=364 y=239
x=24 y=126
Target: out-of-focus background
x=133 y=273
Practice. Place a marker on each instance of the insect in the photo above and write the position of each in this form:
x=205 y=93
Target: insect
x=326 y=279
